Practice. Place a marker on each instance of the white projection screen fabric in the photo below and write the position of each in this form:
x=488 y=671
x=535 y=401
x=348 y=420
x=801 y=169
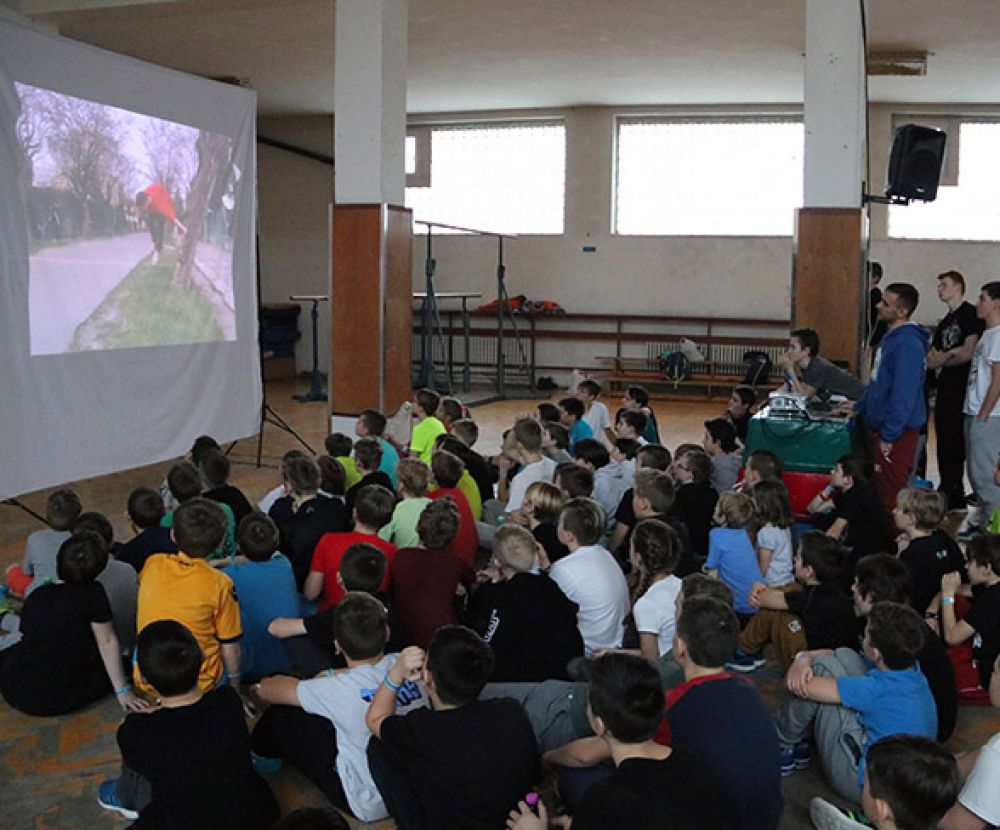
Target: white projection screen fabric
x=128 y=321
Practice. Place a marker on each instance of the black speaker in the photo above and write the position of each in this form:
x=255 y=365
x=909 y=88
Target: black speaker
x=915 y=162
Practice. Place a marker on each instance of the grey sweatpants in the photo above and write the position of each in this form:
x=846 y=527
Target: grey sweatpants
x=982 y=448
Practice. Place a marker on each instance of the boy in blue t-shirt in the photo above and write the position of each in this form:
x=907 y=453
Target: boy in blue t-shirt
x=265 y=586
x=371 y=424
x=571 y=411
x=731 y=555
x=852 y=700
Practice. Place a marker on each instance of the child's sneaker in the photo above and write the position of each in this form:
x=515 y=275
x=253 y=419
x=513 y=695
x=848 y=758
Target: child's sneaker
x=794 y=758
x=265 y=765
x=743 y=662
x=827 y=816
x=107 y=797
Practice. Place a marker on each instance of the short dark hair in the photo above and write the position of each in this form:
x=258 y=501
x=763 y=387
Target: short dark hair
x=332 y=476
x=465 y=430
x=202 y=444
x=257 y=537
x=657 y=487
x=658 y=546
x=214 y=466
x=199 y=527
x=823 y=554
x=917 y=777
x=302 y=475
x=722 y=431
x=373 y=420
x=627 y=695
x=857 y=467
x=746 y=394
x=447 y=469
x=338 y=445
x=627 y=447
x=574 y=479
x=368 y=453
x=61 y=508
x=703 y=585
x=96 y=523
x=312 y=818
x=633 y=418
x=145 y=508
x=572 y=406
x=359 y=621
x=985 y=550
x=584 y=518
x=528 y=433
x=460 y=662
x=452 y=409
x=548 y=411
x=882 y=577
x=438 y=524
x=169 y=657
x=992 y=290
x=374 y=505
x=710 y=630
x=909 y=297
x=591 y=451
x=81 y=558
x=955 y=276
x=362 y=568
x=428 y=400
x=557 y=432
x=413 y=475
x=639 y=394
x=808 y=339
x=897 y=631
x=184 y=481
x=699 y=464
x=590 y=386
x=653 y=457
x=766 y=463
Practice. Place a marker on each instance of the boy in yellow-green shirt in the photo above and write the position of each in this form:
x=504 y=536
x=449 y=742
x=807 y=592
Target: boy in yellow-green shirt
x=428 y=427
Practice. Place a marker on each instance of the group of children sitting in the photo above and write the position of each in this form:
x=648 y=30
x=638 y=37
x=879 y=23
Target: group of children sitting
x=432 y=633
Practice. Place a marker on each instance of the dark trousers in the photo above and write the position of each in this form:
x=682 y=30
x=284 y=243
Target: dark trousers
x=949 y=426
x=134 y=791
x=307 y=742
x=399 y=790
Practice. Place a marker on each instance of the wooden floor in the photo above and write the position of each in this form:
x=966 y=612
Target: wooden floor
x=50 y=768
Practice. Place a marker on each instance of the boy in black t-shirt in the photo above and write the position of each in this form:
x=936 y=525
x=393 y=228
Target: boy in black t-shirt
x=696 y=497
x=145 y=512
x=214 y=468
x=464 y=763
x=652 y=786
x=924 y=548
x=368 y=459
x=186 y=765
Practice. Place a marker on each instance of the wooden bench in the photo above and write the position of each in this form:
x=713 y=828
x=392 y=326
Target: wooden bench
x=712 y=378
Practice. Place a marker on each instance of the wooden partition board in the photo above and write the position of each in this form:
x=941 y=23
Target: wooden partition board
x=371 y=261
x=828 y=280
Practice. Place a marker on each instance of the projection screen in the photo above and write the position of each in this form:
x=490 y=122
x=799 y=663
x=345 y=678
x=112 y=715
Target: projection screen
x=128 y=317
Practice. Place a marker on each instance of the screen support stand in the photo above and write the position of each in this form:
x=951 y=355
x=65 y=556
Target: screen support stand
x=430 y=327
x=22 y=506
x=503 y=308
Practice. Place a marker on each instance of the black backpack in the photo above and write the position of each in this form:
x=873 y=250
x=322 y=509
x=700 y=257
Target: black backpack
x=757 y=368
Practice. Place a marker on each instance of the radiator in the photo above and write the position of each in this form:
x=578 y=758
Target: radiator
x=482 y=352
x=728 y=358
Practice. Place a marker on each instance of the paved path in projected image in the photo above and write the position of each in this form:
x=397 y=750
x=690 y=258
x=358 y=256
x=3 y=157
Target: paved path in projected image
x=68 y=282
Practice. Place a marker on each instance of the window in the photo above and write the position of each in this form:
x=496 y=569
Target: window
x=711 y=177
x=509 y=178
x=969 y=210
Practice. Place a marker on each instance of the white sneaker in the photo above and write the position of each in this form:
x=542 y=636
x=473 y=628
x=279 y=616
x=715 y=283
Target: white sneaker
x=827 y=816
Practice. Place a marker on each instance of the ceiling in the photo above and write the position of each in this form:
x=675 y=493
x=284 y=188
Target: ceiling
x=512 y=54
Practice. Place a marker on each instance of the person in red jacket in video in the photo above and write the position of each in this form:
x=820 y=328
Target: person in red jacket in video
x=156 y=205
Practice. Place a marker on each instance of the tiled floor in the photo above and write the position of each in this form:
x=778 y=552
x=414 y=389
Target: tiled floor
x=50 y=768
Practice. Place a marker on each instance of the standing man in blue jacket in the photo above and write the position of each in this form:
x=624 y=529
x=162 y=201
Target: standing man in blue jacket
x=892 y=409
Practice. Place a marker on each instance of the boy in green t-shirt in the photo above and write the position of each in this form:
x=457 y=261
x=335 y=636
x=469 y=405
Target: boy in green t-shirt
x=428 y=427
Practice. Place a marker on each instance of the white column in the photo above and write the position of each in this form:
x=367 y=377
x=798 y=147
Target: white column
x=834 y=104
x=370 y=101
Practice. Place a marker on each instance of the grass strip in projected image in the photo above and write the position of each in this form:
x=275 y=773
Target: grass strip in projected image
x=144 y=310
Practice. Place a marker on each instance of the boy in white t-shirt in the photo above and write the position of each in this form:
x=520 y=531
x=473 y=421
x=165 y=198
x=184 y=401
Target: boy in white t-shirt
x=319 y=726
x=595 y=413
x=535 y=466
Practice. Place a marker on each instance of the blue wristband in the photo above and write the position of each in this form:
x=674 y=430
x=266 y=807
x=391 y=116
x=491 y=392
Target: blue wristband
x=123 y=690
x=390 y=684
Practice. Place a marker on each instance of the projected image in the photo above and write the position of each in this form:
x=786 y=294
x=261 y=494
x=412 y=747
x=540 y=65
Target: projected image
x=131 y=222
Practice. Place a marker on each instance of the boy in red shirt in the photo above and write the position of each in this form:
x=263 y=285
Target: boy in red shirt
x=447 y=470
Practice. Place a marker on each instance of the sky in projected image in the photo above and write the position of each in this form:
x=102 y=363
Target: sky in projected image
x=130 y=223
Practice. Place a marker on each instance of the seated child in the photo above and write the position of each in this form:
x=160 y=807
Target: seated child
x=653 y=498
x=367 y=460
x=850 y=700
x=279 y=495
x=413 y=476
x=651 y=785
x=762 y=465
x=773 y=515
x=910 y=782
x=631 y=423
x=720 y=718
x=571 y=411
x=447 y=469
x=574 y=480
x=926 y=550
x=340 y=447
x=482 y=472
x=647 y=457
x=214 y=468
x=543 y=503
x=727 y=457
x=311 y=516
x=371 y=424
x=466 y=483
x=813 y=612
x=655 y=552
x=38 y=566
x=202 y=444
x=265 y=585
x=428 y=426
x=555 y=440
x=185 y=483
x=373 y=510
x=332 y=478
x=525 y=617
x=623 y=461
x=184 y=587
x=608 y=489
x=68 y=655
x=637 y=398
x=978 y=804
x=696 y=497
x=187 y=764
x=145 y=512
x=980 y=624
x=739 y=410
x=595 y=413
x=527 y=449
x=590 y=577
x=426 y=579
x=731 y=556
x=319 y=726
x=461 y=763
x=449 y=411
